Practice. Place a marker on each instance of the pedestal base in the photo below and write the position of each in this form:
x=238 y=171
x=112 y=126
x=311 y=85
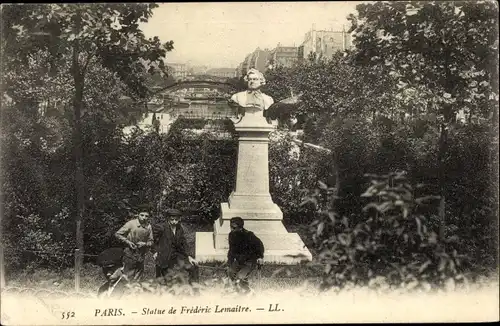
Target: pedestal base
x=266 y=222
x=296 y=252
x=252 y=201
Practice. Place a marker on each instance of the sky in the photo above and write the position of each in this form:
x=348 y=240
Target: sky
x=221 y=34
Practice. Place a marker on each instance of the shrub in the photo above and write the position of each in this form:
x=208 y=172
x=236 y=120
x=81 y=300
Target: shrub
x=294 y=169
x=392 y=245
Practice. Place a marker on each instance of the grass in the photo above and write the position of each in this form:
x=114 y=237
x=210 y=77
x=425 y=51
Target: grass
x=271 y=277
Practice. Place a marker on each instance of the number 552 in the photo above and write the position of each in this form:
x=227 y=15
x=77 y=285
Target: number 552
x=68 y=314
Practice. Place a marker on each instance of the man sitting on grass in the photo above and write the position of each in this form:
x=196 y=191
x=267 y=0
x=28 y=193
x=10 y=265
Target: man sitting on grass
x=111 y=261
x=246 y=251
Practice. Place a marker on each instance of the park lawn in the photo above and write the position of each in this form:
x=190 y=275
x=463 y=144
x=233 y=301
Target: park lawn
x=270 y=277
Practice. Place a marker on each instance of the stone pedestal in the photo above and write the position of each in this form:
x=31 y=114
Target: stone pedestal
x=251 y=201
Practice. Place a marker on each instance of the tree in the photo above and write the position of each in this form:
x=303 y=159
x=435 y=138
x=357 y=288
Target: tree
x=279 y=82
x=75 y=37
x=445 y=49
x=333 y=89
x=237 y=83
x=444 y=53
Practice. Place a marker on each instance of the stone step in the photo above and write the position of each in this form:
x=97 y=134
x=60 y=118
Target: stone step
x=270 y=241
x=256 y=226
x=294 y=253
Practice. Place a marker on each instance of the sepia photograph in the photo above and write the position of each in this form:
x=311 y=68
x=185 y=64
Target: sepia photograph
x=249 y=162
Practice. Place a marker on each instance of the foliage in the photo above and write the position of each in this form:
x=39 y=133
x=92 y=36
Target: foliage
x=67 y=42
x=380 y=108
x=390 y=104
x=107 y=33
x=184 y=170
x=393 y=245
x=158 y=80
x=332 y=89
x=363 y=148
x=293 y=170
x=444 y=58
x=196 y=173
x=237 y=83
x=279 y=82
x=446 y=52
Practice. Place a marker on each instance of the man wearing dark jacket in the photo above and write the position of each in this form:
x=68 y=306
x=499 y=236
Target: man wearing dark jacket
x=170 y=247
x=246 y=251
x=111 y=261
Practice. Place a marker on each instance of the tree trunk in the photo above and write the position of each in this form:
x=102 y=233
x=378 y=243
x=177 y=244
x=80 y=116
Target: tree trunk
x=2 y=270
x=443 y=148
x=336 y=174
x=78 y=156
x=77 y=145
x=494 y=155
x=442 y=218
x=441 y=166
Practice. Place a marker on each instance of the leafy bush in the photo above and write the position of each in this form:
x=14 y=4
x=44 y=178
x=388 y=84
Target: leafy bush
x=196 y=172
x=393 y=245
x=293 y=170
x=185 y=170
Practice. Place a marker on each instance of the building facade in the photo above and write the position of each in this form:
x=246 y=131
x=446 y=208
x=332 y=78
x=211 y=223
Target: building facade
x=178 y=70
x=258 y=59
x=283 y=56
x=324 y=43
x=222 y=72
x=198 y=70
x=239 y=70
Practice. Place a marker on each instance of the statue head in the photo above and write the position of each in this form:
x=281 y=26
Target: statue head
x=255 y=79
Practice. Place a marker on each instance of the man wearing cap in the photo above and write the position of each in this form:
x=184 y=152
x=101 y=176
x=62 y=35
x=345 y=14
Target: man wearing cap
x=246 y=251
x=111 y=261
x=137 y=234
x=170 y=247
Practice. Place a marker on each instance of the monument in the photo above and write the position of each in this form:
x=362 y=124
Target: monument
x=251 y=199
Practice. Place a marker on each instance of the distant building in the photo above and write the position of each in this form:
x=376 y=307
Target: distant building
x=300 y=52
x=203 y=109
x=324 y=43
x=222 y=72
x=198 y=70
x=239 y=70
x=258 y=59
x=283 y=55
x=178 y=70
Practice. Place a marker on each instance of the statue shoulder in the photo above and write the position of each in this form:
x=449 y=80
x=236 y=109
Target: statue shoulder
x=268 y=99
x=238 y=96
